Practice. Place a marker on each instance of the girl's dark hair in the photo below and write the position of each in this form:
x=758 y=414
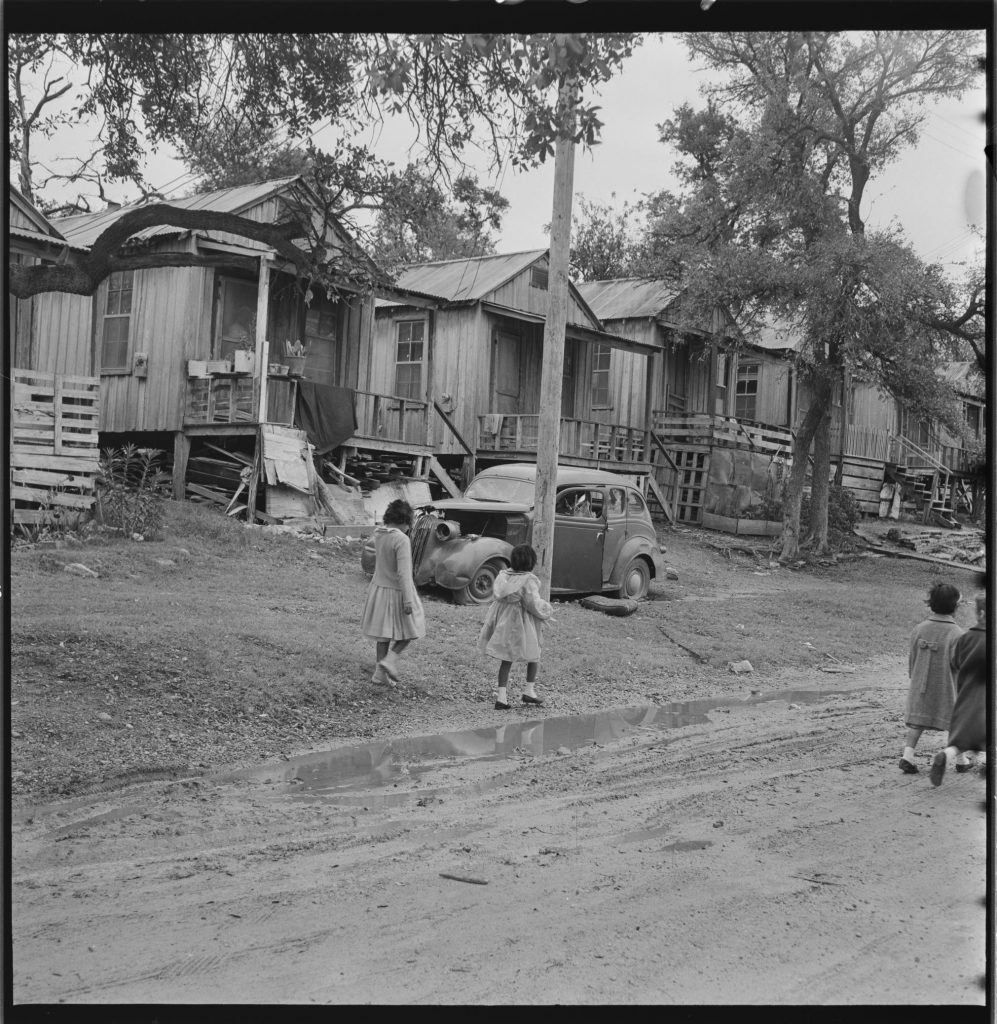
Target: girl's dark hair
x=523 y=558
x=943 y=598
x=398 y=513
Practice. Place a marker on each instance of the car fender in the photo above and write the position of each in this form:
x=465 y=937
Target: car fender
x=632 y=547
x=460 y=561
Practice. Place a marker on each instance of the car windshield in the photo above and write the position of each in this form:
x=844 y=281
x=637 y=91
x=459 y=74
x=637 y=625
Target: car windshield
x=500 y=488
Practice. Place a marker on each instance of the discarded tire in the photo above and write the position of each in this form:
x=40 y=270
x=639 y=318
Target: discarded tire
x=610 y=605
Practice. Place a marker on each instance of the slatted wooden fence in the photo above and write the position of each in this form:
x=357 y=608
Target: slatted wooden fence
x=53 y=445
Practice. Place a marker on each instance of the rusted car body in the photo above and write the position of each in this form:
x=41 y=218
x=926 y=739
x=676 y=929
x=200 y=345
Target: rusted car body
x=604 y=539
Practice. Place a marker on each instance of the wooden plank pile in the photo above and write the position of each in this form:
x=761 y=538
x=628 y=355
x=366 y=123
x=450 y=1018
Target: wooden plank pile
x=217 y=476
x=370 y=472
x=53 y=445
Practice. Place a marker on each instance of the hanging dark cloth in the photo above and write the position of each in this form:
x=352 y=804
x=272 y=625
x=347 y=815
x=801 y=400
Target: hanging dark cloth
x=327 y=414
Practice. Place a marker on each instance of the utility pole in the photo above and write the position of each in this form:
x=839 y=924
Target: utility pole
x=549 y=428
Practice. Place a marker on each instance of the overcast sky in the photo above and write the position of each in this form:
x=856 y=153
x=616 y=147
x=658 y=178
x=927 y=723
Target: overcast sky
x=925 y=190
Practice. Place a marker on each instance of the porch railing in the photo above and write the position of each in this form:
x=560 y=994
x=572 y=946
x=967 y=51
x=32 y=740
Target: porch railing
x=224 y=398
x=706 y=430
x=862 y=442
x=231 y=398
x=585 y=439
x=392 y=418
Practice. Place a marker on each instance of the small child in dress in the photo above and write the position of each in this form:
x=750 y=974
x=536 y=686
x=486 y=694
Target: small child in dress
x=392 y=611
x=932 y=693
x=513 y=627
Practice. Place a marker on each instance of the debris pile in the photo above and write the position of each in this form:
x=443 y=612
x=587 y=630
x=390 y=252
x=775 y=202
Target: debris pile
x=966 y=546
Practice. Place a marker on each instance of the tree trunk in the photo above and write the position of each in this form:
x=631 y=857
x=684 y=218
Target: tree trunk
x=820 y=487
x=793 y=496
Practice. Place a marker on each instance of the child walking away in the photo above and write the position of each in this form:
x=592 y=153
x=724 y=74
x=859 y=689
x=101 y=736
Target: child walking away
x=392 y=614
x=968 y=729
x=929 y=702
x=513 y=627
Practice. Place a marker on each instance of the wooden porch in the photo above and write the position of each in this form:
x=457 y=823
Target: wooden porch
x=384 y=422
x=588 y=443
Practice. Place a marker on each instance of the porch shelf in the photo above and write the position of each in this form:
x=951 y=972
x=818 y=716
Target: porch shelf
x=582 y=439
x=702 y=429
x=234 y=398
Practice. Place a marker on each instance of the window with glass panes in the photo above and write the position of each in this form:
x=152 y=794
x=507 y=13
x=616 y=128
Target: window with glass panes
x=117 y=317
x=409 y=355
x=746 y=392
x=601 y=356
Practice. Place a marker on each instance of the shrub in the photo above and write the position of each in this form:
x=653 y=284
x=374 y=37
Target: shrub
x=842 y=514
x=131 y=487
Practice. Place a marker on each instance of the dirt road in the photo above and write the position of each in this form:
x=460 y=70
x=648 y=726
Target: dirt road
x=765 y=851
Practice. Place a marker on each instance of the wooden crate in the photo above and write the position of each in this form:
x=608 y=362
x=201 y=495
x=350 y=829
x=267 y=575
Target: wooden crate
x=53 y=444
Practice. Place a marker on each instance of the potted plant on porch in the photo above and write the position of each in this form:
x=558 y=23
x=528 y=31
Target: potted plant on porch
x=295 y=357
x=244 y=358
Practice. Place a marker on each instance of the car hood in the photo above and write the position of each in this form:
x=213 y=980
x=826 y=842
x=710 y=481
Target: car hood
x=465 y=505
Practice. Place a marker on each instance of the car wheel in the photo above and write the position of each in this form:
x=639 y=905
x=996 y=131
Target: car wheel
x=636 y=580
x=479 y=590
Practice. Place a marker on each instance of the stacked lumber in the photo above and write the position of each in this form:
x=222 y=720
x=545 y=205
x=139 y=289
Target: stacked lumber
x=371 y=472
x=53 y=445
x=219 y=477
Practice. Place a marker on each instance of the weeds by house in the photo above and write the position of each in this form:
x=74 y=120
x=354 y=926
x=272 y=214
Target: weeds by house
x=131 y=489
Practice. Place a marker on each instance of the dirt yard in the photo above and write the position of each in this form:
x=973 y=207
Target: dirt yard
x=211 y=803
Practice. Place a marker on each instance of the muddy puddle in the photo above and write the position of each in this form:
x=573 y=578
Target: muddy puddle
x=388 y=772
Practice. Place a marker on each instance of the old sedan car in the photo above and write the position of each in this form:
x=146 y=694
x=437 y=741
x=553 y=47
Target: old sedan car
x=604 y=540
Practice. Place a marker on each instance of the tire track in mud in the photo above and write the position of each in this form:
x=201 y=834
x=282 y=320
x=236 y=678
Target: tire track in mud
x=557 y=834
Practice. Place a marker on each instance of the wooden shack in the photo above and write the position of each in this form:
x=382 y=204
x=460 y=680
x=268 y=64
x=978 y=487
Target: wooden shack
x=195 y=359
x=477 y=357
x=54 y=394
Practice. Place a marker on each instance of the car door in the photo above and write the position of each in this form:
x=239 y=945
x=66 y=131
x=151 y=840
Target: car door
x=579 y=540
x=616 y=528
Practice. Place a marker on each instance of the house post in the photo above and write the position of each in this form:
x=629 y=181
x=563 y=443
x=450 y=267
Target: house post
x=651 y=365
x=181 y=453
x=262 y=315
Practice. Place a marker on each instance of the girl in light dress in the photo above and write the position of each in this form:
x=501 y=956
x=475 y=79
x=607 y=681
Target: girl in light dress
x=513 y=628
x=392 y=614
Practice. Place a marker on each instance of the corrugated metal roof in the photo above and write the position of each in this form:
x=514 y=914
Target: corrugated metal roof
x=963 y=377
x=53 y=241
x=627 y=297
x=42 y=224
x=83 y=229
x=466 y=280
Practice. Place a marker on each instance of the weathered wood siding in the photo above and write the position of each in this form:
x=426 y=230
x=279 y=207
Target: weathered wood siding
x=774 y=382
x=871 y=407
x=171 y=323
x=520 y=294
x=458 y=365
x=688 y=374
x=61 y=336
x=628 y=374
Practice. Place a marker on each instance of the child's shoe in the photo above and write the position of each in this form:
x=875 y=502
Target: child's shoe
x=529 y=698
x=389 y=663
x=499 y=706
x=938 y=766
x=907 y=768
x=380 y=677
